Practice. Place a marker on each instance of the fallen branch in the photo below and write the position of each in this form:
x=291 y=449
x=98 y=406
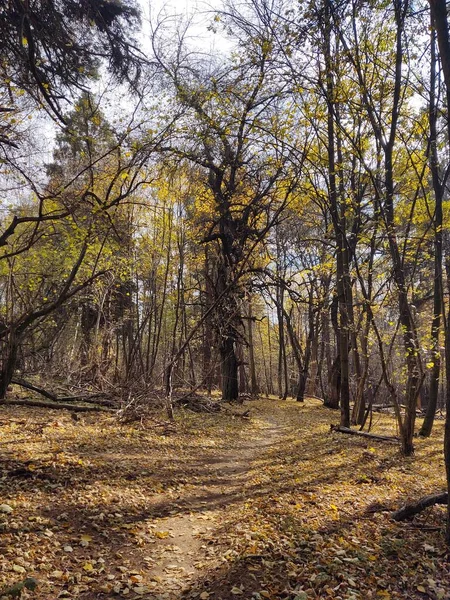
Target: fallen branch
x=34 y=388
x=372 y=436
x=96 y=398
x=390 y=408
x=92 y=399
x=57 y=405
x=201 y=404
x=312 y=397
x=84 y=397
x=243 y=415
x=382 y=407
x=409 y=510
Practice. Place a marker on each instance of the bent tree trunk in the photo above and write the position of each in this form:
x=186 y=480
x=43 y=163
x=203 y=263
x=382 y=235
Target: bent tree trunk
x=230 y=388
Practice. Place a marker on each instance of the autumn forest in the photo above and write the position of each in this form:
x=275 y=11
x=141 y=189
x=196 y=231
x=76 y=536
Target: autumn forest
x=224 y=237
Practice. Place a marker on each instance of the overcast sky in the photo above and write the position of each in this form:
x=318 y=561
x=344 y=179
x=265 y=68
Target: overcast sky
x=201 y=13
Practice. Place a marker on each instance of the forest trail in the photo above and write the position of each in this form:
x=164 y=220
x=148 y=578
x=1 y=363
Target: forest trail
x=181 y=556
x=276 y=507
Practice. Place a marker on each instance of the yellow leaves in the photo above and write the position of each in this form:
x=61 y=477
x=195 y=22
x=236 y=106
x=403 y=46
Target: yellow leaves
x=85 y=539
x=57 y=574
x=19 y=569
x=421 y=589
x=162 y=535
x=88 y=567
x=252 y=549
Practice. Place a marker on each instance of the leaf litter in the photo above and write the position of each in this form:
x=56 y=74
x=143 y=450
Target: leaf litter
x=276 y=507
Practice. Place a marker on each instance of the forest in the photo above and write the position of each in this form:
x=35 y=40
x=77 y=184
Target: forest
x=224 y=297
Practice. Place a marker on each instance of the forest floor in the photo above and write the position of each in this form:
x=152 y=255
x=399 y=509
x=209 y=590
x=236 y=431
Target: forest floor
x=216 y=507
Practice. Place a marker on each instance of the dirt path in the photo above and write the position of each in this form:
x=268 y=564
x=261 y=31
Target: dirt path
x=97 y=508
x=186 y=546
x=215 y=508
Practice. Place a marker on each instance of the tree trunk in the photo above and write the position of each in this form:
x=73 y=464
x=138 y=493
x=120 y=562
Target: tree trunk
x=302 y=366
x=8 y=363
x=339 y=225
x=332 y=399
x=440 y=19
x=312 y=385
x=427 y=425
x=333 y=395
x=230 y=390
x=254 y=389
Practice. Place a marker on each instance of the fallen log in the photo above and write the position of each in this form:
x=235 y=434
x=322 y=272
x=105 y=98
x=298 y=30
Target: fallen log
x=89 y=400
x=102 y=396
x=372 y=436
x=382 y=407
x=312 y=397
x=57 y=405
x=409 y=510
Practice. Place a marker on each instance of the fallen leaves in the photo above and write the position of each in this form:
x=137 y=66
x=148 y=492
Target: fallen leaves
x=237 y=591
x=85 y=540
x=19 y=569
x=98 y=514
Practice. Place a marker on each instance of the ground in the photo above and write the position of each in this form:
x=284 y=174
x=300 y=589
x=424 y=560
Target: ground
x=216 y=507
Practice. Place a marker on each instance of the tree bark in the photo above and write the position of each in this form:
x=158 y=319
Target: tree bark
x=427 y=424
x=8 y=363
x=409 y=510
x=339 y=225
x=440 y=17
x=254 y=388
x=372 y=436
x=230 y=390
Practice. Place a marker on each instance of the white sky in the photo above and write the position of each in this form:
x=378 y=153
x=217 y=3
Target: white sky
x=200 y=12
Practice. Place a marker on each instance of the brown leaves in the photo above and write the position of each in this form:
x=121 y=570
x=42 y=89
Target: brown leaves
x=275 y=508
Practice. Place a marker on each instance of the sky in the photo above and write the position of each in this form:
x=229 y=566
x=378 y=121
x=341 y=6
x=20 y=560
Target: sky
x=201 y=12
